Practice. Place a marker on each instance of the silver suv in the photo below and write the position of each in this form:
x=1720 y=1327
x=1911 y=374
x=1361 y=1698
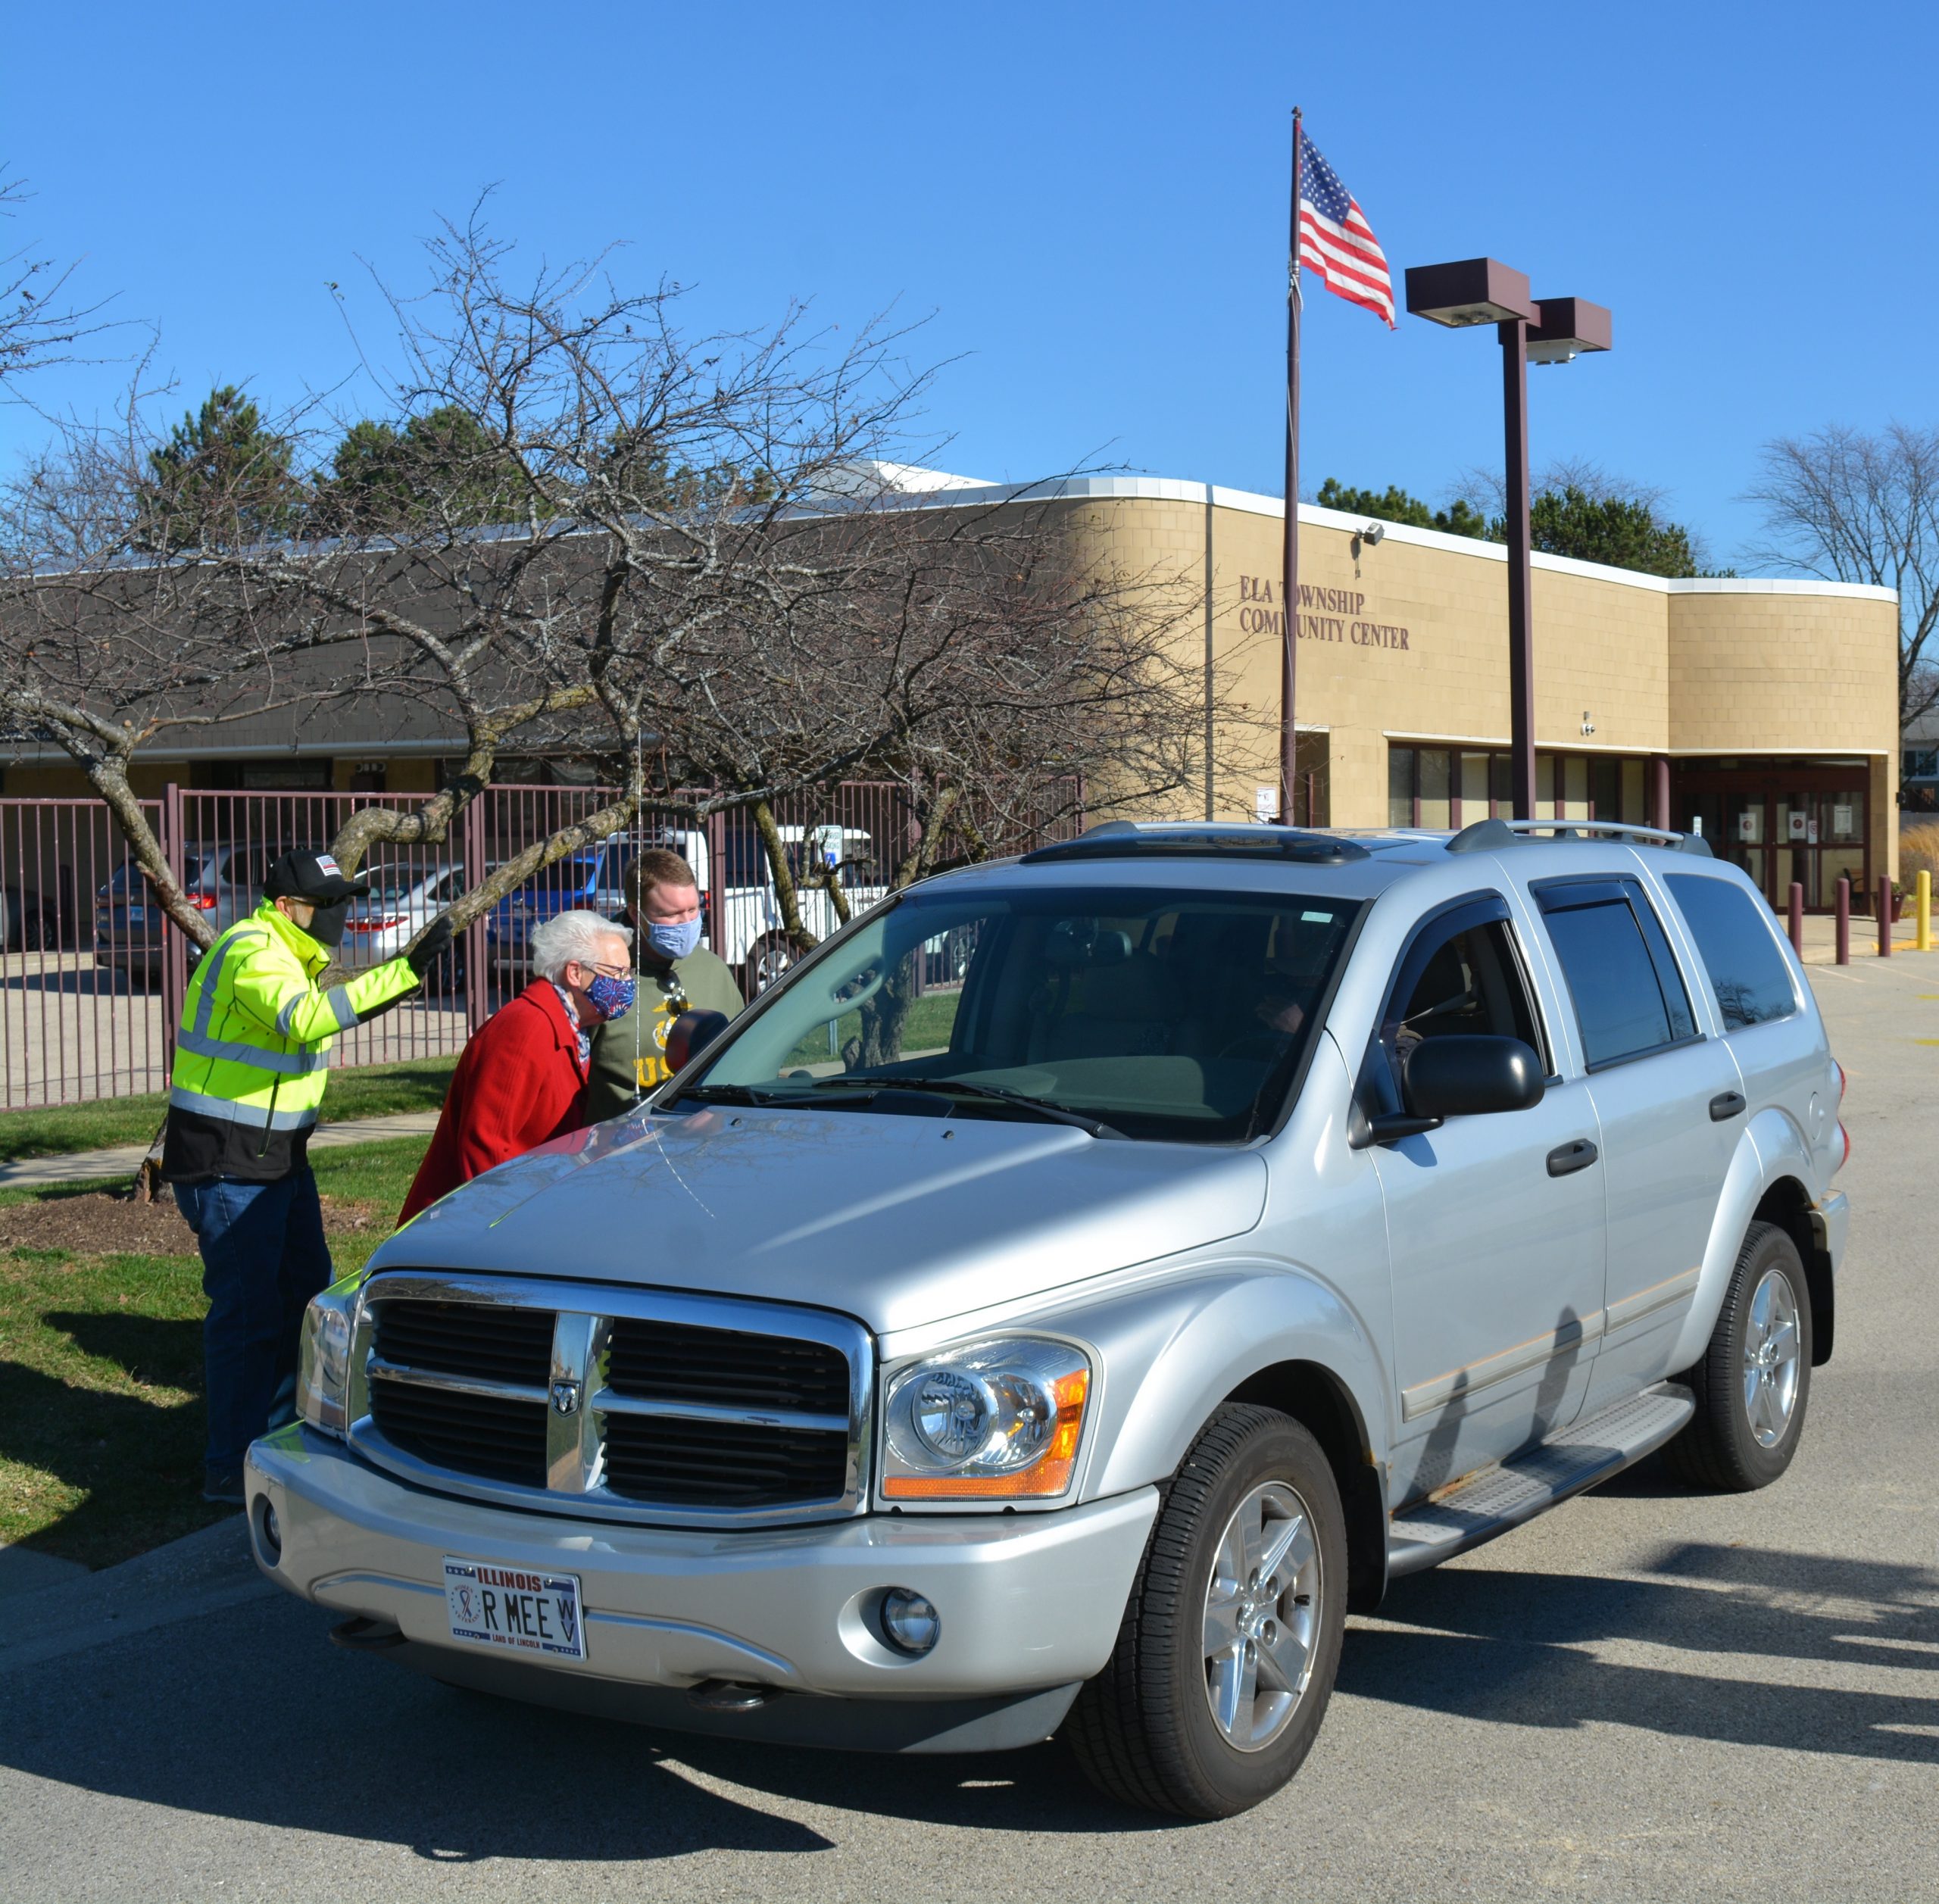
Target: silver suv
x=1252 y=1216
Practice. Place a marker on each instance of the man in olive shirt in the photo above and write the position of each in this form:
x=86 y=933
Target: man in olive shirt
x=676 y=975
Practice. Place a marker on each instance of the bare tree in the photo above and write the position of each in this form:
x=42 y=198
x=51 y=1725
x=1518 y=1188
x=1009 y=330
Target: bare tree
x=40 y=323
x=1847 y=506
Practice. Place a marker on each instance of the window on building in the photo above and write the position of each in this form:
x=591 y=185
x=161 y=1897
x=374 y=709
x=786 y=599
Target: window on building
x=1400 y=786
x=1740 y=951
x=1628 y=996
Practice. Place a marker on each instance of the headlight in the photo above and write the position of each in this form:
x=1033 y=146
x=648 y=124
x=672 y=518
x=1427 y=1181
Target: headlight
x=991 y=1421
x=323 y=1367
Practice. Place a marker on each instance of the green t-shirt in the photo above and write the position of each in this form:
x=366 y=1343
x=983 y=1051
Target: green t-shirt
x=629 y=1052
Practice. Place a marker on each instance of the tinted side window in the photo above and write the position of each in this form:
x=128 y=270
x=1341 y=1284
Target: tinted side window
x=1463 y=974
x=1748 y=972
x=1627 y=994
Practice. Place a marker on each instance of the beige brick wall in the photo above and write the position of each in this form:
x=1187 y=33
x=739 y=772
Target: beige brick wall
x=1727 y=672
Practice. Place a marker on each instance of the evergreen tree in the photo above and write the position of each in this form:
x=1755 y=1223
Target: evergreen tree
x=222 y=480
x=1621 y=531
x=1460 y=518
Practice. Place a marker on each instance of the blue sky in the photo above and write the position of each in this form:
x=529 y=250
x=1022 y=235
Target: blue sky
x=1091 y=200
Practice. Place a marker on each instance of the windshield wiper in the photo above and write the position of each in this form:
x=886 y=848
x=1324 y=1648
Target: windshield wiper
x=961 y=1088
x=722 y=1094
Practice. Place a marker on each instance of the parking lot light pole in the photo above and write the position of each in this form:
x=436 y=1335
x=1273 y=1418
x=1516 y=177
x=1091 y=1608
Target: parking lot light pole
x=1550 y=330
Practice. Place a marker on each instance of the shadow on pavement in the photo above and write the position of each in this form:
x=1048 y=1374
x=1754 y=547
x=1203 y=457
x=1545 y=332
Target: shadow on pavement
x=250 y=1714
x=1502 y=1646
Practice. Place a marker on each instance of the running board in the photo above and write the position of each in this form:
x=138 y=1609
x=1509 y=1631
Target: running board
x=1429 y=1532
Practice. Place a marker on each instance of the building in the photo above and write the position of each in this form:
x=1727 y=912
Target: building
x=1762 y=713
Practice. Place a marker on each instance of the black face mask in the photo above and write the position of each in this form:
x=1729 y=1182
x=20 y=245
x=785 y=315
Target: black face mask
x=326 y=924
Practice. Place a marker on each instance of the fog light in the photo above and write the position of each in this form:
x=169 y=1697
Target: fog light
x=269 y=1535
x=910 y=1622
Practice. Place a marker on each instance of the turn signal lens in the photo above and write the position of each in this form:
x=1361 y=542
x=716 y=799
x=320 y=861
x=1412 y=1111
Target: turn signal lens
x=993 y=1421
x=1843 y=1080
x=1844 y=1138
x=323 y=1366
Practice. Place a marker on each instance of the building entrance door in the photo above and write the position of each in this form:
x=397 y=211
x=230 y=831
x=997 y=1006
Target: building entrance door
x=1784 y=821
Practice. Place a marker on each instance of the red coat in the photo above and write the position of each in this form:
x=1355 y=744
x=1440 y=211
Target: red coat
x=519 y=1083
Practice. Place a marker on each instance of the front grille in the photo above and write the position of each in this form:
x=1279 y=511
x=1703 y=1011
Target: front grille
x=722 y=1464
x=470 y=1434
x=713 y=1408
x=484 y=1339
x=677 y=1362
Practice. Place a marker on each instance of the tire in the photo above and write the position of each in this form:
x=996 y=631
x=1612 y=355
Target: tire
x=767 y=959
x=1754 y=1381
x=1144 y=1730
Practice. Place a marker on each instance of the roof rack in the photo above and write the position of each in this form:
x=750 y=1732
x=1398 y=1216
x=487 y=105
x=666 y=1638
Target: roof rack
x=1124 y=839
x=1491 y=835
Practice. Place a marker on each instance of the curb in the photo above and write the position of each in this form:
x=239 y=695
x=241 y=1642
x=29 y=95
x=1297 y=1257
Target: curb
x=201 y=1573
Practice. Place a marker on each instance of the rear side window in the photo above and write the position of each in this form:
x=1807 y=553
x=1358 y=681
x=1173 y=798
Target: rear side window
x=1733 y=932
x=1628 y=995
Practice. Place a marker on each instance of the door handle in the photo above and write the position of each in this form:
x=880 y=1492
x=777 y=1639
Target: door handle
x=1726 y=1104
x=1566 y=1158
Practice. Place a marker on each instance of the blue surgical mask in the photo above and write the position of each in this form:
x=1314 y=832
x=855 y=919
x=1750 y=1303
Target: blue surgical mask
x=612 y=998
x=673 y=942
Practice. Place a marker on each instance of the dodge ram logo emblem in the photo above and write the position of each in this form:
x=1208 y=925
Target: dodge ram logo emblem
x=565 y=1397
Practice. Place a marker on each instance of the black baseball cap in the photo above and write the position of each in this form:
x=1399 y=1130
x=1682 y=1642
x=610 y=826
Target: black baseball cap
x=314 y=876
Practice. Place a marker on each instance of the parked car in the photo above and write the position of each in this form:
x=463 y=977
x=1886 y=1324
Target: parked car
x=749 y=935
x=403 y=899
x=1277 y=1213
x=223 y=882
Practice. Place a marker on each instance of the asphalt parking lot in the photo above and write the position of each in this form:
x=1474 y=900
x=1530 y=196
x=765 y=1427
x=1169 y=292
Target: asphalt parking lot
x=1647 y=1694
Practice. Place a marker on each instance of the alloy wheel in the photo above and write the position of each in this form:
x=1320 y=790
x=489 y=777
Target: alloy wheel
x=1772 y=1349
x=1262 y=1617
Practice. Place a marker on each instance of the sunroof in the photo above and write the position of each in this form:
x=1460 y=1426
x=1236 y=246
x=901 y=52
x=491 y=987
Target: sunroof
x=1122 y=840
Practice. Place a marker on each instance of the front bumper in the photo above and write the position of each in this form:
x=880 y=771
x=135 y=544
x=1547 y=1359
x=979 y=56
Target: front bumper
x=1028 y=1602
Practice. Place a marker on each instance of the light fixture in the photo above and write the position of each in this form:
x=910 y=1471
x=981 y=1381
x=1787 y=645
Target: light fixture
x=1373 y=533
x=1565 y=327
x=1588 y=726
x=1471 y=291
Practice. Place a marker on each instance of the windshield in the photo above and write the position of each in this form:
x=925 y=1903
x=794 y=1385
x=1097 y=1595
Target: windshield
x=1155 y=1013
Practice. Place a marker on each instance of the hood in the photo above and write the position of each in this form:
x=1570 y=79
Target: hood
x=897 y=1220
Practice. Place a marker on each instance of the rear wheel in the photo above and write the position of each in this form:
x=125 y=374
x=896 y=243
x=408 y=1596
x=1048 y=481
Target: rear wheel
x=1231 y=1639
x=767 y=959
x=1754 y=1381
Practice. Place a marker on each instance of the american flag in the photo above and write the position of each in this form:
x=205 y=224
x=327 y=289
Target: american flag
x=1336 y=240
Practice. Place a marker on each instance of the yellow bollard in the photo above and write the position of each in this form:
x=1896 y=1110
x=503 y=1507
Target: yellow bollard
x=1925 y=912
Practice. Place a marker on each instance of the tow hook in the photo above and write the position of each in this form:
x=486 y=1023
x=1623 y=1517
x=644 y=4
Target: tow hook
x=360 y=1633
x=729 y=1695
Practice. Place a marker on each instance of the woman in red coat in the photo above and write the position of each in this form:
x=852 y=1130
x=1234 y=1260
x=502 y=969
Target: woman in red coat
x=521 y=1080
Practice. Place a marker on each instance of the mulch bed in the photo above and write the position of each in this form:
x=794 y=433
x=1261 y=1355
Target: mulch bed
x=101 y=1224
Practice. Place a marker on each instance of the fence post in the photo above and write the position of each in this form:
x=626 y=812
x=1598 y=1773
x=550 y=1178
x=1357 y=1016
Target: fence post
x=174 y=944
x=716 y=886
x=1797 y=917
x=1924 y=911
x=477 y=953
x=1884 y=903
x=1844 y=918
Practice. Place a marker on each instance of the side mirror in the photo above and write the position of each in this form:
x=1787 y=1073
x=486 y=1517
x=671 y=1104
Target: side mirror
x=1460 y=1076
x=692 y=1032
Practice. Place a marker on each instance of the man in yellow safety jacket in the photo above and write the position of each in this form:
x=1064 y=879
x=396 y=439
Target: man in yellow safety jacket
x=251 y=1060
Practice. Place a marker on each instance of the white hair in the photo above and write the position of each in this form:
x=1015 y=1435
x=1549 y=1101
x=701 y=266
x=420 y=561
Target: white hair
x=574 y=938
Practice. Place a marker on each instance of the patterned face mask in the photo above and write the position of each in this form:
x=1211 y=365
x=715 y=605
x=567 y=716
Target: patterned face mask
x=612 y=998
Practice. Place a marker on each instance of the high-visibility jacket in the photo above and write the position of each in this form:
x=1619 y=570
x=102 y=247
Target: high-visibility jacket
x=252 y=1055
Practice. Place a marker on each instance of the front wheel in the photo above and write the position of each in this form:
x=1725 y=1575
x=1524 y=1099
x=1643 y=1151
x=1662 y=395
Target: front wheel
x=1231 y=1639
x=1755 y=1378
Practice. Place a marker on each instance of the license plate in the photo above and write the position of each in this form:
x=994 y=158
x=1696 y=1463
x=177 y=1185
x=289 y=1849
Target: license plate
x=491 y=1605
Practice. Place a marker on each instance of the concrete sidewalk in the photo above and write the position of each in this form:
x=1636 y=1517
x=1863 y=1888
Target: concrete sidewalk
x=83 y=1166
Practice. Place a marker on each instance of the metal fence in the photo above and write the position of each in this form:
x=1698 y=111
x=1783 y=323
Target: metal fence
x=92 y=973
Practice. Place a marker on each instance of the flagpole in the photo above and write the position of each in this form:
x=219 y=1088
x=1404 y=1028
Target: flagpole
x=1289 y=559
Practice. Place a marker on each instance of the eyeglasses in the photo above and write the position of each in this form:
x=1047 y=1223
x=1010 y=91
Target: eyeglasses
x=609 y=971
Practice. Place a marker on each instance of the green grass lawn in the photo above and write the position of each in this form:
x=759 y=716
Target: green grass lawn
x=101 y=1374
x=926 y=1028
x=370 y=1091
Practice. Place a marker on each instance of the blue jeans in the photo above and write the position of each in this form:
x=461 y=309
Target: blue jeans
x=264 y=1256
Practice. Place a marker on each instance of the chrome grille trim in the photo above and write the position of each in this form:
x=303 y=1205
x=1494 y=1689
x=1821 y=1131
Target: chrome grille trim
x=584 y=1313
x=502 y=1391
